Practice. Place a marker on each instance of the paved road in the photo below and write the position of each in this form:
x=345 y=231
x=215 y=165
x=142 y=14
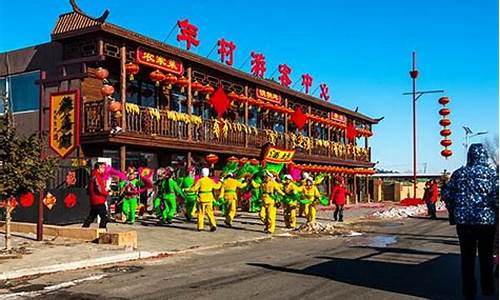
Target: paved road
x=415 y=260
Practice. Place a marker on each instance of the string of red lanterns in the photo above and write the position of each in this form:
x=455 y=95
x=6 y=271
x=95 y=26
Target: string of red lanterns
x=445 y=132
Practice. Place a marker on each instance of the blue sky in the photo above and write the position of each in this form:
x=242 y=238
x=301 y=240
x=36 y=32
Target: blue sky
x=362 y=49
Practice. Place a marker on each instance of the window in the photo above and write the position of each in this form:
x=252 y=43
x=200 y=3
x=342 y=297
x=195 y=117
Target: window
x=2 y=94
x=24 y=92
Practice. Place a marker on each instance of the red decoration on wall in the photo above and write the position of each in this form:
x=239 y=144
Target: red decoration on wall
x=226 y=48
x=70 y=200
x=189 y=32
x=285 y=75
x=299 y=118
x=71 y=176
x=101 y=73
x=219 y=101
x=258 y=63
x=27 y=199
x=324 y=92
x=351 y=132
x=160 y=62
x=306 y=82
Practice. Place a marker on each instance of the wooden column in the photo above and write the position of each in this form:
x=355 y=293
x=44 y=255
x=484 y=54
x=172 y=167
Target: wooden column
x=367 y=190
x=123 y=84
x=246 y=116
x=309 y=127
x=189 y=102
x=189 y=155
x=285 y=117
x=355 y=190
x=329 y=140
x=123 y=158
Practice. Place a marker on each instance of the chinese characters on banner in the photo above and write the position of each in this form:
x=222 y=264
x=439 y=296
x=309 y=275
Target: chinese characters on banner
x=226 y=48
x=159 y=62
x=268 y=96
x=278 y=156
x=189 y=32
x=64 y=122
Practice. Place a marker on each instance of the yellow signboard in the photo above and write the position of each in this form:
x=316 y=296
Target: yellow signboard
x=268 y=96
x=64 y=128
x=278 y=156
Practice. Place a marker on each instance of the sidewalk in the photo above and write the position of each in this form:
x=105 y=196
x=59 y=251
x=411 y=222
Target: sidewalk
x=57 y=254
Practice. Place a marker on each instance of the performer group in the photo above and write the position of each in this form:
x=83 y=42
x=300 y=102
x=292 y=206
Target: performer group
x=258 y=188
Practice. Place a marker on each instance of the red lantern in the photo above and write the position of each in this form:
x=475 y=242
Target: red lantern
x=27 y=199
x=208 y=90
x=445 y=132
x=170 y=79
x=107 y=90
x=101 y=73
x=197 y=87
x=445 y=122
x=212 y=159
x=446 y=153
x=233 y=96
x=115 y=106
x=131 y=69
x=70 y=200
x=444 y=111
x=444 y=100
x=183 y=82
x=157 y=76
x=446 y=143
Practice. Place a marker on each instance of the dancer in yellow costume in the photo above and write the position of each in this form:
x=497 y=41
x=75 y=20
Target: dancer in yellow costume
x=292 y=192
x=204 y=188
x=229 y=192
x=303 y=209
x=311 y=195
x=268 y=211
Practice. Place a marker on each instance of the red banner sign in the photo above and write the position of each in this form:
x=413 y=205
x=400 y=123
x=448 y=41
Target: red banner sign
x=64 y=128
x=278 y=156
x=147 y=58
x=268 y=96
x=338 y=117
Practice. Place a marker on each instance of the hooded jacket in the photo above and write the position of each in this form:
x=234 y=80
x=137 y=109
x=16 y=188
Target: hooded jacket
x=472 y=192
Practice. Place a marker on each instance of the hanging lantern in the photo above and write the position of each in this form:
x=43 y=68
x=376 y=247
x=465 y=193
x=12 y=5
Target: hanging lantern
x=115 y=106
x=170 y=79
x=131 y=69
x=444 y=111
x=183 y=82
x=444 y=100
x=445 y=122
x=157 y=76
x=446 y=153
x=211 y=159
x=208 y=90
x=107 y=90
x=446 y=143
x=196 y=87
x=101 y=73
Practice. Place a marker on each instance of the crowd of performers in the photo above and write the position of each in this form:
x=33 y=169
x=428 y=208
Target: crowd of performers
x=262 y=189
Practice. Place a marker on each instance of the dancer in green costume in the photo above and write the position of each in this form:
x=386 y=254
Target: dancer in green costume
x=131 y=193
x=189 y=197
x=166 y=200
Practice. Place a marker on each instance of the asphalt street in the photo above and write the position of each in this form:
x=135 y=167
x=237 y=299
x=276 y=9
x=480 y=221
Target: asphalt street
x=414 y=259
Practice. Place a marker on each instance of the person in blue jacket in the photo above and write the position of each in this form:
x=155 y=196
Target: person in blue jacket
x=471 y=197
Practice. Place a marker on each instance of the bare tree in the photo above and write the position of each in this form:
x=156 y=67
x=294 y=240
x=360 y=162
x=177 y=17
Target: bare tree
x=491 y=145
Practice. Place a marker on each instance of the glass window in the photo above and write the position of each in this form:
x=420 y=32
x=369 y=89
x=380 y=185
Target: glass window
x=2 y=94
x=24 y=92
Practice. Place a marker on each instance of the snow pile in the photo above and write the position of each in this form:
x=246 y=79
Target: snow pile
x=320 y=228
x=407 y=211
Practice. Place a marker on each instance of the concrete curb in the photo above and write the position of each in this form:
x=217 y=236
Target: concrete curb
x=78 y=264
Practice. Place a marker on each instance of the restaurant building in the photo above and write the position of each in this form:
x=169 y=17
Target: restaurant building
x=143 y=102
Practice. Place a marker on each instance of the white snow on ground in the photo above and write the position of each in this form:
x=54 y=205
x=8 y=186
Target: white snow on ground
x=407 y=211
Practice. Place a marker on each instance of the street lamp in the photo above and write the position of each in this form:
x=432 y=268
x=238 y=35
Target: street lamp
x=470 y=134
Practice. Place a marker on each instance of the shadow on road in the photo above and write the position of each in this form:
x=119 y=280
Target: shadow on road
x=435 y=277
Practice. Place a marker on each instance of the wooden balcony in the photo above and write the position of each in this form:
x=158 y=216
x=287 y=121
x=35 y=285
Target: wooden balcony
x=155 y=128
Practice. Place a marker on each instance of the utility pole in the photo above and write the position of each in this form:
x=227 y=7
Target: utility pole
x=416 y=95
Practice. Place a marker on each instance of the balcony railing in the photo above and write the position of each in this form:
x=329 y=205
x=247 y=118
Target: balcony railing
x=158 y=123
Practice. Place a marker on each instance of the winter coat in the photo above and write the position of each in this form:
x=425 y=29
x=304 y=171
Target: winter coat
x=338 y=195
x=471 y=195
x=97 y=189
